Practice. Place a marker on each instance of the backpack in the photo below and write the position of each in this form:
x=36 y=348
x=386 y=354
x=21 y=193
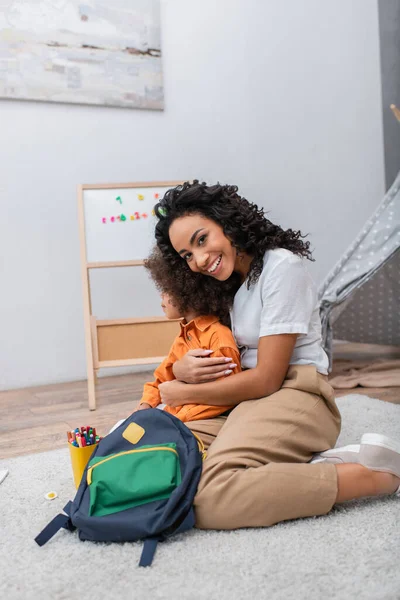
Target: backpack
x=139 y=484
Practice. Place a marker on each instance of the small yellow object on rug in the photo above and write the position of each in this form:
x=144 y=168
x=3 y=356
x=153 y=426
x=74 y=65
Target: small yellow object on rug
x=51 y=495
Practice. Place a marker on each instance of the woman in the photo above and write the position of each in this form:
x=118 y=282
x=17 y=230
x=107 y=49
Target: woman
x=256 y=472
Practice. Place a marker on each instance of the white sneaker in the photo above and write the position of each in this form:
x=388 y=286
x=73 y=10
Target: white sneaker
x=346 y=454
x=380 y=453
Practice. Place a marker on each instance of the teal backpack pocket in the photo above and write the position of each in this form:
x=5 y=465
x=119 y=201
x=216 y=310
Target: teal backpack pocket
x=132 y=478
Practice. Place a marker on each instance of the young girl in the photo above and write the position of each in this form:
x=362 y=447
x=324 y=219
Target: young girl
x=256 y=473
x=204 y=307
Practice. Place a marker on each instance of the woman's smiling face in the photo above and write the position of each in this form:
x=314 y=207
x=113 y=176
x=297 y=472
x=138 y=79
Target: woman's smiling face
x=202 y=243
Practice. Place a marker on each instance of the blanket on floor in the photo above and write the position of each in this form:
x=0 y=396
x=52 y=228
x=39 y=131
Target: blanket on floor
x=380 y=373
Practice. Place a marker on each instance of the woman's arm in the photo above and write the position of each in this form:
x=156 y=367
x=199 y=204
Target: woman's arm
x=273 y=356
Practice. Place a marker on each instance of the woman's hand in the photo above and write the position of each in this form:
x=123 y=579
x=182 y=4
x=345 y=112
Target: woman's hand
x=174 y=393
x=197 y=366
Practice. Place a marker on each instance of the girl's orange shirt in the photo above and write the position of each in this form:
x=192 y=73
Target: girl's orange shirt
x=207 y=333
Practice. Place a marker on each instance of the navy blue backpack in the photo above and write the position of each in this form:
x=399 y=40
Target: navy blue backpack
x=139 y=484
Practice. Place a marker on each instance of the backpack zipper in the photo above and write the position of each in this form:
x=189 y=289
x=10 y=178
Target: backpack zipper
x=202 y=450
x=90 y=469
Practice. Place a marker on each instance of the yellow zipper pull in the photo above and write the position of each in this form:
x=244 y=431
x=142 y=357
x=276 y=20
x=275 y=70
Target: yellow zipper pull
x=89 y=475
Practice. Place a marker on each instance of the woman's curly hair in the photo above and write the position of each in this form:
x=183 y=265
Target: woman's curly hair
x=192 y=291
x=242 y=222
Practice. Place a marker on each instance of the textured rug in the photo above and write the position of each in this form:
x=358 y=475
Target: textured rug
x=353 y=553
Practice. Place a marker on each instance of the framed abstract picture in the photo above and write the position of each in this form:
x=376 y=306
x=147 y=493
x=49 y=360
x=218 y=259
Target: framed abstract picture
x=82 y=52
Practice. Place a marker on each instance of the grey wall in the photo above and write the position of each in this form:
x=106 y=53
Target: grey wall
x=281 y=97
x=389 y=26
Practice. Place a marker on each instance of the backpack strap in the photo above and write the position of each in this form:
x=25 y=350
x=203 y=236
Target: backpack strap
x=59 y=522
x=148 y=552
x=150 y=544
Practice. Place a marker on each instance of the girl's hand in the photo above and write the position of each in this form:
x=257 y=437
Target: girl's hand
x=174 y=393
x=197 y=366
x=143 y=406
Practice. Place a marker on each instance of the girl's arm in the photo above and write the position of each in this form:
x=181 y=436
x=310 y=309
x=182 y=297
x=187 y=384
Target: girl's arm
x=273 y=356
x=151 y=393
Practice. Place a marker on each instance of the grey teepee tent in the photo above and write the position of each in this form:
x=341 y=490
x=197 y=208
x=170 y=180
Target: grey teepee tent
x=360 y=297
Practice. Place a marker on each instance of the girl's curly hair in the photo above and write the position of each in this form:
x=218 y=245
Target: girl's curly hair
x=192 y=291
x=242 y=222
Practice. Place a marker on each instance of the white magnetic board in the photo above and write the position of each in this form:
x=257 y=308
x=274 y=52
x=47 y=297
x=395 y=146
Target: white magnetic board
x=119 y=221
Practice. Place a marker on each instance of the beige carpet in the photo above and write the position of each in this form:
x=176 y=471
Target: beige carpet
x=353 y=553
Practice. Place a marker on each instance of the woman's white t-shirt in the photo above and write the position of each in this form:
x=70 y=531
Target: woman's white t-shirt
x=283 y=300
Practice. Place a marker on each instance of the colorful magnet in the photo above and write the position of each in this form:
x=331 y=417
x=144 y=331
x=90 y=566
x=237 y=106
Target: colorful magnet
x=144 y=215
x=137 y=216
x=104 y=220
x=132 y=218
x=156 y=196
x=112 y=219
x=123 y=218
x=140 y=197
x=119 y=199
x=153 y=212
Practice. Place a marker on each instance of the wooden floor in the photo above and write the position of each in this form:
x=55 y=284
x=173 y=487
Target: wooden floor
x=36 y=419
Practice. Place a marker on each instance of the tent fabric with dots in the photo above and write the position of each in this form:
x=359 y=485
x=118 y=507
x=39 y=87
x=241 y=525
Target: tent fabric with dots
x=360 y=297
